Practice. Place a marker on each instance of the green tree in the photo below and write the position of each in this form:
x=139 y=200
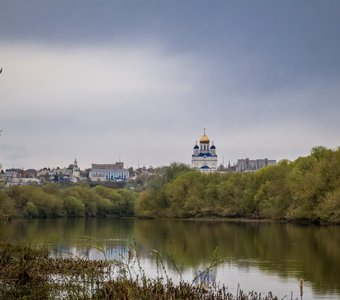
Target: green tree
x=129 y=199
x=185 y=195
x=273 y=196
x=104 y=207
x=74 y=207
x=85 y=194
x=230 y=195
x=304 y=182
x=31 y=210
x=329 y=208
x=6 y=205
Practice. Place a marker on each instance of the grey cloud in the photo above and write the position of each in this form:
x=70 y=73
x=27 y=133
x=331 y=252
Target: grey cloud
x=141 y=79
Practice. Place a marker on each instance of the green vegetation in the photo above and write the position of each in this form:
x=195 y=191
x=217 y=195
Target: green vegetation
x=307 y=189
x=30 y=273
x=52 y=200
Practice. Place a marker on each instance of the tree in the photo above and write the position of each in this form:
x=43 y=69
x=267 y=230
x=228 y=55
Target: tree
x=74 y=207
x=6 y=205
x=104 y=207
x=329 y=208
x=31 y=210
x=304 y=185
x=231 y=195
x=129 y=199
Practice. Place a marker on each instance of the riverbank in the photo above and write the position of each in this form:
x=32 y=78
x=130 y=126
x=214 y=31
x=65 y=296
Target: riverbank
x=257 y=220
x=5 y=219
x=30 y=273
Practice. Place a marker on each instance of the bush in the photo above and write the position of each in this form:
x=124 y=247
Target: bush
x=31 y=210
x=74 y=207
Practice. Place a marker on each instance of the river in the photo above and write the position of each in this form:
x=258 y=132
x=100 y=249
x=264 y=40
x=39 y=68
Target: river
x=254 y=256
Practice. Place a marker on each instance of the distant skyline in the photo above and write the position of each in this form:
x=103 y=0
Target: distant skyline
x=139 y=80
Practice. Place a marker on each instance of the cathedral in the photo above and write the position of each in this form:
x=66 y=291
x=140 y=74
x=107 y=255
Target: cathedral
x=204 y=158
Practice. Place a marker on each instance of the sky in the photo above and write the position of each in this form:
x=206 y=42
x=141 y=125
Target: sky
x=138 y=80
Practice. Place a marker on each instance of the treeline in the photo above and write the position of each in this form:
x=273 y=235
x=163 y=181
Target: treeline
x=53 y=200
x=307 y=189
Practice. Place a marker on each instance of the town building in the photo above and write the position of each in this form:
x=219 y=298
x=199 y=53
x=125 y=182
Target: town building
x=204 y=157
x=12 y=173
x=109 y=172
x=248 y=165
x=75 y=169
x=30 y=173
x=23 y=181
x=71 y=173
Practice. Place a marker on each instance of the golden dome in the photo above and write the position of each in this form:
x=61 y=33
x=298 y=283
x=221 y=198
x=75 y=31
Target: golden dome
x=204 y=139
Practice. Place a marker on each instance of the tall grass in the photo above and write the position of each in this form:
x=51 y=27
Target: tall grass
x=29 y=272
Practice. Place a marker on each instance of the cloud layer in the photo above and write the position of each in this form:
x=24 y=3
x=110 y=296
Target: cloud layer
x=139 y=82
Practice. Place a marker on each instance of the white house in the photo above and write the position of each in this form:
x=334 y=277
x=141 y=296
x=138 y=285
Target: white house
x=109 y=172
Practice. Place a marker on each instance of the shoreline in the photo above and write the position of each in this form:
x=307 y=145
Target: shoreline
x=198 y=219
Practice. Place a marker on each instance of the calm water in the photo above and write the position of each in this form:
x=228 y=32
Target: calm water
x=261 y=257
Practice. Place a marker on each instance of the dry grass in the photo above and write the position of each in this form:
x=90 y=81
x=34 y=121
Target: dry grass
x=28 y=272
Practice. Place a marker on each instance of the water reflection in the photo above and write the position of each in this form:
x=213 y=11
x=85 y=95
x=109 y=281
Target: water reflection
x=284 y=251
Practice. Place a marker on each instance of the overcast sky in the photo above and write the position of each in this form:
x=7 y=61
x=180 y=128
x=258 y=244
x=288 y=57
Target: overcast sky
x=139 y=80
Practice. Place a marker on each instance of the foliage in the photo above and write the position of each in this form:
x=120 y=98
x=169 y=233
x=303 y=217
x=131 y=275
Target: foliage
x=6 y=205
x=31 y=210
x=306 y=189
x=74 y=207
x=53 y=200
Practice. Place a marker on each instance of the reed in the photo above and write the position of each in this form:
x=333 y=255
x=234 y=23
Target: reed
x=29 y=272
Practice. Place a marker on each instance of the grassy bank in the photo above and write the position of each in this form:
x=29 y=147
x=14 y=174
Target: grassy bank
x=28 y=272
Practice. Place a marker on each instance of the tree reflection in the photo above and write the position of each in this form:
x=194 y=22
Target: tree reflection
x=309 y=252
